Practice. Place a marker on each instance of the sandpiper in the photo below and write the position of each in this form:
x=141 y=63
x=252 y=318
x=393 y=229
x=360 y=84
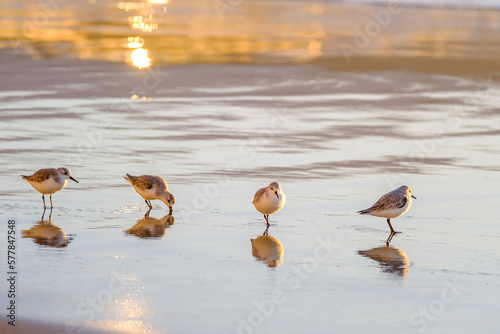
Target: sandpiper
x=391 y=205
x=49 y=180
x=269 y=200
x=152 y=187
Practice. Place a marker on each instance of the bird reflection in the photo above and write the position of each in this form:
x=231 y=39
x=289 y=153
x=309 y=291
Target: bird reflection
x=149 y=227
x=391 y=235
x=393 y=260
x=268 y=249
x=47 y=234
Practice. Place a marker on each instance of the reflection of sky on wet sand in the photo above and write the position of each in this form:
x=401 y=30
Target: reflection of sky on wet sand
x=127 y=309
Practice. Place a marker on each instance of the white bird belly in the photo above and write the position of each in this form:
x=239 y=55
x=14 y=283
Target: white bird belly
x=394 y=212
x=49 y=186
x=269 y=204
x=146 y=193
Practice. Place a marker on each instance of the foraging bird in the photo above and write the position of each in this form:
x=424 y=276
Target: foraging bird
x=49 y=180
x=152 y=187
x=391 y=205
x=269 y=200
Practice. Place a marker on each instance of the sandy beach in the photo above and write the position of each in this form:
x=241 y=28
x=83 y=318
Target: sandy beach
x=220 y=105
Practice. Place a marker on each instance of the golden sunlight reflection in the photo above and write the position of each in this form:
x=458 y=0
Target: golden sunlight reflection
x=127 y=309
x=192 y=32
x=268 y=249
x=135 y=42
x=393 y=260
x=158 y=2
x=140 y=58
x=125 y=326
x=46 y=234
x=143 y=20
x=142 y=23
x=149 y=227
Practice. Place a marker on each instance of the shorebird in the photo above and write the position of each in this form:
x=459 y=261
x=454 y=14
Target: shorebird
x=152 y=187
x=391 y=205
x=269 y=200
x=49 y=180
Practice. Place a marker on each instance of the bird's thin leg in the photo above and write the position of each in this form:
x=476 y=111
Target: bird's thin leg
x=43 y=214
x=43 y=199
x=50 y=216
x=148 y=204
x=51 y=206
x=266 y=217
x=266 y=231
x=392 y=230
x=147 y=213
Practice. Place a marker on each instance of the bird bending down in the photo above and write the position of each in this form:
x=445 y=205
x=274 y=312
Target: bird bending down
x=269 y=200
x=152 y=187
x=49 y=180
x=391 y=205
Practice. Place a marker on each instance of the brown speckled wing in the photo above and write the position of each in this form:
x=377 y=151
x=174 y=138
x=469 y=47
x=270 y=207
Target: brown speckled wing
x=143 y=182
x=392 y=200
x=149 y=181
x=258 y=194
x=42 y=175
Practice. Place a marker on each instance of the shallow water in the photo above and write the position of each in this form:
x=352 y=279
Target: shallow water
x=335 y=140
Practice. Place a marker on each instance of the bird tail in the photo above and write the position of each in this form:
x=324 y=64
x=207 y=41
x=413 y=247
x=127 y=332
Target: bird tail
x=370 y=210
x=365 y=211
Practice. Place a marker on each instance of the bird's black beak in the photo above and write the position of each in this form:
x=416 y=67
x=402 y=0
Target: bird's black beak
x=71 y=178
x=170 y=211
x=276 y=192
x=413 y=197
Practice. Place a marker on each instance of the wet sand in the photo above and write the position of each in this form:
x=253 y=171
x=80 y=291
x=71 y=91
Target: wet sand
x=218 y=128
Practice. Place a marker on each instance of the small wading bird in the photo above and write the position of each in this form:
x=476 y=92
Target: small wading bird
x=391 y=205
x=269 y=200
x=152 y=187
x=49 y=180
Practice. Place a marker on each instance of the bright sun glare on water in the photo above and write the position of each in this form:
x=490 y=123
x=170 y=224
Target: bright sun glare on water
x=140 y=58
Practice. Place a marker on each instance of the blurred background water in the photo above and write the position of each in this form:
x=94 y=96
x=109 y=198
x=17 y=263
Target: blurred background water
x=221 y=31
x=338 y=101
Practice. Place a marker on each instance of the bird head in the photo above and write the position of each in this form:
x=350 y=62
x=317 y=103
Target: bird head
x=66 y=174
x=407 y=190
x=169 y=199
x=275 y=188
